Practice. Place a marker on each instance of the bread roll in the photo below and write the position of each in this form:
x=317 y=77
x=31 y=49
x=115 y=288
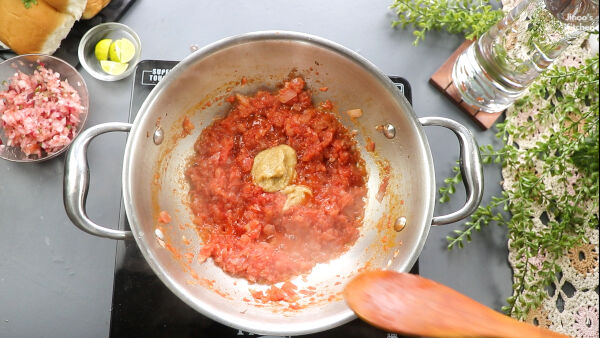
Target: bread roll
x=38 y=29
x=73 y=7
x=93 y=7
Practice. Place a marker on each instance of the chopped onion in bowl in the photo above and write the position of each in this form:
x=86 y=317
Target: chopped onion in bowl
x=39 y=113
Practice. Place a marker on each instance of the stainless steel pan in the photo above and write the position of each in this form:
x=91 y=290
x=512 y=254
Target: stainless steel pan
x=155 y=158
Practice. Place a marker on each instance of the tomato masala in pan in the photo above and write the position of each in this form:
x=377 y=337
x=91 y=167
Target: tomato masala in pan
x=276 y=186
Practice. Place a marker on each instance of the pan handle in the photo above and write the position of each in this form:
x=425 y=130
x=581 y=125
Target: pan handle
x=77 y=179
x=470 y=168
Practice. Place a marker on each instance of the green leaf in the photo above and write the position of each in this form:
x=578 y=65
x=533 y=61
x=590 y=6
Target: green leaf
x=29 y=3
x=470 y=18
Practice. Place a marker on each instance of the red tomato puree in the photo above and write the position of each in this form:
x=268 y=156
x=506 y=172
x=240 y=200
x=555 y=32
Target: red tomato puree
x=245 y=229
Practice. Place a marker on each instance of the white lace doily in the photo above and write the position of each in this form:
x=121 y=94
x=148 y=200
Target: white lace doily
x=572 y=305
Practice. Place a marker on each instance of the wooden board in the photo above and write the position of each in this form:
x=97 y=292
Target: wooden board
x=442 y=80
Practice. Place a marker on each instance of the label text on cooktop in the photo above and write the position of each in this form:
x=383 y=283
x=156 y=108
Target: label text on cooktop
x=152 y=76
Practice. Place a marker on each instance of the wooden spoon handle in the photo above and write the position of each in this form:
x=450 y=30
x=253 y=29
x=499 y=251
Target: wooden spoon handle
x=411 y=304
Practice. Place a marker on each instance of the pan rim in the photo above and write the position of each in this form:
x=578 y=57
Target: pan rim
x=321 y=323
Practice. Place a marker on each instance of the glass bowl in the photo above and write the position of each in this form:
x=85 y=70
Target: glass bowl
x=28 y=64
x=109 y=30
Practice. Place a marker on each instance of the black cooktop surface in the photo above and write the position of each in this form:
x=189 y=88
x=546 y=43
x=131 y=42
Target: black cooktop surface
x=142 y=306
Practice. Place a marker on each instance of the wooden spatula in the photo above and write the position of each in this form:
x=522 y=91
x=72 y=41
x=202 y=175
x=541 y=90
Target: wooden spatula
x=411 y=304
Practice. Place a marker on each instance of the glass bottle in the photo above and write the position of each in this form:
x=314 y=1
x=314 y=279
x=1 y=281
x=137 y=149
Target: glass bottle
x=497 y=69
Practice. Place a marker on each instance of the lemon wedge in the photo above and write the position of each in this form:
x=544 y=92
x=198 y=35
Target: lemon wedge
x=101 y=49
x=113 y=68
x=122 y=50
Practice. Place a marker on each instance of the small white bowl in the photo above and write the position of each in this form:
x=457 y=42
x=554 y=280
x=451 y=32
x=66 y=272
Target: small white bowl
x=109 y=30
